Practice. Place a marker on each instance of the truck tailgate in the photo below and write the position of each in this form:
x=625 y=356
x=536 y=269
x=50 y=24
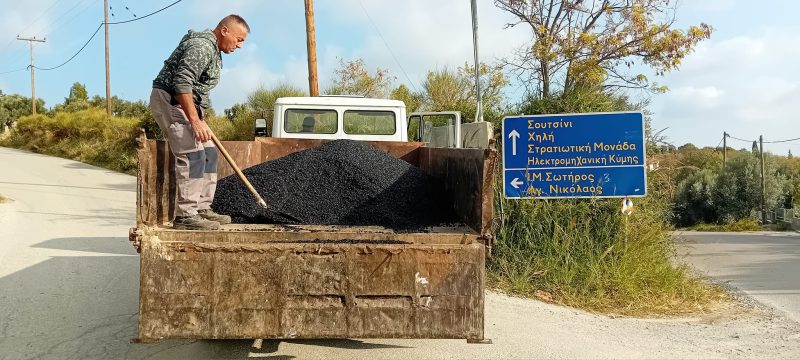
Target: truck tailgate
x=310 y=282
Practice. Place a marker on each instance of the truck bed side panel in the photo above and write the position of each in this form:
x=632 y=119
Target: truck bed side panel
x=468 y=176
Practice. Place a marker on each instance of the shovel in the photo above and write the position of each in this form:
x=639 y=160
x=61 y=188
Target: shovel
x=246 y=182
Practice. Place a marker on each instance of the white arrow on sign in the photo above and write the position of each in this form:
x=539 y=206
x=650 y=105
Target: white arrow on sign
x=513 y=135
x=516 y=183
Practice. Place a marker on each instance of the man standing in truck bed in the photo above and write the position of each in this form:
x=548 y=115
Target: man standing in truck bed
x=179 y=102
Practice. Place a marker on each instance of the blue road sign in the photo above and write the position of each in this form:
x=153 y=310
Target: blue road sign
x=574 y=156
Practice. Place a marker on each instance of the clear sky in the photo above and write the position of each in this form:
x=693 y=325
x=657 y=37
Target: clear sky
x=742 y=80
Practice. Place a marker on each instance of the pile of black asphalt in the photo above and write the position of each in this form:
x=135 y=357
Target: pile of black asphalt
x=341 y=182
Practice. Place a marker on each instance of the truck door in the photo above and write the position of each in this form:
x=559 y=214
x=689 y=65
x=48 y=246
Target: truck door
x=436 y=129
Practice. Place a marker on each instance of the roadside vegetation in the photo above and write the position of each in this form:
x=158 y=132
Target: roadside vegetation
x=86 y=135
x=587 y=254
x=708 y=195
x=78 y=128
x=738 y=226
x=3 y=199
x=583 y=253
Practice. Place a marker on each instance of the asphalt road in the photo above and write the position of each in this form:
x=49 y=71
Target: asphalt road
x=764 y=265
x=69 y=290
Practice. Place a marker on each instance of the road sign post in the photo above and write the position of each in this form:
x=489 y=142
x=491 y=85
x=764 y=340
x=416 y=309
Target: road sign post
x=574 y=156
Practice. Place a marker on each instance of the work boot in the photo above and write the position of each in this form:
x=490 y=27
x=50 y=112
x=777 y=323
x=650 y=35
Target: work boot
x=194 y=222
x=209 y=214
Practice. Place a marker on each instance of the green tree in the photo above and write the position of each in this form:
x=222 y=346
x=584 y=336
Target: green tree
x=789 y=167
x=263 y=99
x=353 y=78
x=76 y=100
x=14 y=106
x=445 y=90
x=454 y=90
x=123 y=108
x=738 y=188
x=77 y=93
x=597 y=42
x=412 y=100
x=236 y=110
x=694 y=202
x=239 y=120
x=692 y=159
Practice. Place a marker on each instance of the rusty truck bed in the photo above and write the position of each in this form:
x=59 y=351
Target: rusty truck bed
x=313 y=281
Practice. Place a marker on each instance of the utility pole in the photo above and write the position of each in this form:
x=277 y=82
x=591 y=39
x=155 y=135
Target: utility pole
x=724 y=149
x=33 y=70
x=311 y=44
x=763 y=184
x=108 y=72
x=478 y=95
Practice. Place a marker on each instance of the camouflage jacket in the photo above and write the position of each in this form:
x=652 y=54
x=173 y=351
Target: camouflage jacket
x=194 y=67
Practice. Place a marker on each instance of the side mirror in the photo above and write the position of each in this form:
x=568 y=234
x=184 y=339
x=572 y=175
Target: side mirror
x=261 y=127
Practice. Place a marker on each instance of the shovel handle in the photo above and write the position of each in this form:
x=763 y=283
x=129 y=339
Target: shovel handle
x=236 y=169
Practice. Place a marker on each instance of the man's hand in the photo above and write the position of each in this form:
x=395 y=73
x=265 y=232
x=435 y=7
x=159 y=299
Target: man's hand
x=202 y=132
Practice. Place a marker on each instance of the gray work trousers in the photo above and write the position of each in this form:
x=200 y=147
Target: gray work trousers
x=195 y=162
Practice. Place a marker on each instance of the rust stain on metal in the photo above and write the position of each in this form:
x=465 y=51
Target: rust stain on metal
x=468 y=175
x=288 y=290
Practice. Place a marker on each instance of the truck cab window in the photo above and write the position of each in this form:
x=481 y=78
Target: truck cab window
x=310 y=121
x=369 y=122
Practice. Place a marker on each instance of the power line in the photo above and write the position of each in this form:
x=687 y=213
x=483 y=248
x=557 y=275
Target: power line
x=63 y=20
x=98 y=29
x=13 y=71
x=59 y=22
x=142 y=17
x=76 y=54
x=736 y=138
x=781 y=141
x=387 y=46
x=765 y=142
x=43 y=14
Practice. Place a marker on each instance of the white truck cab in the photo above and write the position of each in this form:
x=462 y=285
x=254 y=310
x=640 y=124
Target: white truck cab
x=340 y=117
x=366 y=119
